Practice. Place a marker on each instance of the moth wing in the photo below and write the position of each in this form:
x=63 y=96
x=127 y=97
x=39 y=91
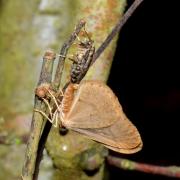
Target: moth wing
x=122 y=136
x=94 y=106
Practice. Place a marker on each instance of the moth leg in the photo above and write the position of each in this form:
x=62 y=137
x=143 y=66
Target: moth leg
x=56 y=116
x=49 y=107
x=55 y=119
x=44 y=114
x=54 y=99
x=59 y=109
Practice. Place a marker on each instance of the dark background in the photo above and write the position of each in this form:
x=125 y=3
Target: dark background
x=145 y=76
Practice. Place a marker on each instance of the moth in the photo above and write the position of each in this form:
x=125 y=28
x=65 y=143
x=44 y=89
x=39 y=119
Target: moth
x=92 y=109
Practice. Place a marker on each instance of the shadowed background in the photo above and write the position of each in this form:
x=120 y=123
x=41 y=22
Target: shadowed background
x=145 y=76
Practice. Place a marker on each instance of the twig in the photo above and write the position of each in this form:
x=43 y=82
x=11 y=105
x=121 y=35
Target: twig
x=63 y=53
x=56 y=84
x=37 y=120
x=116 y=29
x=171 y=171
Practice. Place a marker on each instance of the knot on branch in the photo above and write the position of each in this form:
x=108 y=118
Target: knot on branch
x=42 y=90
x=49 y=55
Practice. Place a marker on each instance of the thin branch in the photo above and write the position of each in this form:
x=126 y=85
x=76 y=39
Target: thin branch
x=37 y=120
x=116 y=29
x=56 y=84
x=170 y=171
x=64 y=51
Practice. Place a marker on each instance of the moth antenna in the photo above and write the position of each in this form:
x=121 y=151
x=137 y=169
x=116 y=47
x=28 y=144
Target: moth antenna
x=54 y=99
x=49 y=107
x=44 y=114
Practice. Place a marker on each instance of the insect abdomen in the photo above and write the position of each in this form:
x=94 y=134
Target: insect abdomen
x=67 y=99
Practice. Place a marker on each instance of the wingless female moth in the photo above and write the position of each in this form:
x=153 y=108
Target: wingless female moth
x=92 y=109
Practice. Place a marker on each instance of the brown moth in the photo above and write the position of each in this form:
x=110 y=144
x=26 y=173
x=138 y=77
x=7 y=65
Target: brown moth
x=92 y=109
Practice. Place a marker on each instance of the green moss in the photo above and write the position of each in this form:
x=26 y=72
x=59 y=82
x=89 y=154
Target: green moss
x=15 y=55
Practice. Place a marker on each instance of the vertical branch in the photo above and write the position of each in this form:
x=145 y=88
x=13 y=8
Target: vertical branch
x=63 y=53
x=56 y=84
x=37 y=120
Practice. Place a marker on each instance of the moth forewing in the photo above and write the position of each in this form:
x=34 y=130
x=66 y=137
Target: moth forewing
x=122 y=136
x=110 y=144
x=96 y=112
x=94 y=106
